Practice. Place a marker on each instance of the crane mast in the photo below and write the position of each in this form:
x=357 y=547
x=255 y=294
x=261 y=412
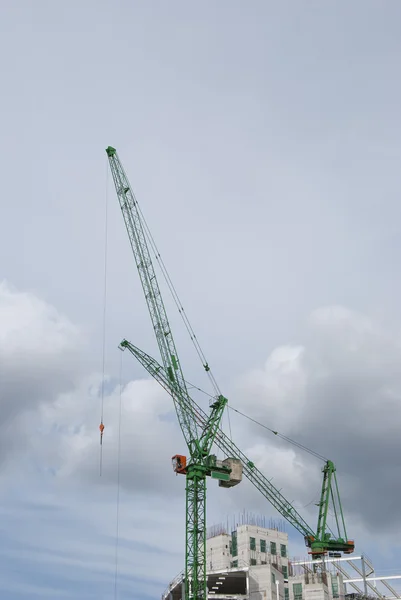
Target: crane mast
x=330 y=493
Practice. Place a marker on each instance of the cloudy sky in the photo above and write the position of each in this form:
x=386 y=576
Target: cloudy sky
x=262 y=140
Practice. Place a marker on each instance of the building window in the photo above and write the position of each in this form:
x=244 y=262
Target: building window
x=283 y=549
x=273 y=549
x=234 y=544
x=297 y=589
x=273 y=578
x=263 y=545
x=285 y=572
x=334 y=586
x=234 y=564
x=231 y=547
x=263 y=562
x=286 y=594
x=252 y=543
x=253 y=561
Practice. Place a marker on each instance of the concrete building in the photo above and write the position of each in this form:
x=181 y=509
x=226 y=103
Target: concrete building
x=251 y=563
x=316 y=586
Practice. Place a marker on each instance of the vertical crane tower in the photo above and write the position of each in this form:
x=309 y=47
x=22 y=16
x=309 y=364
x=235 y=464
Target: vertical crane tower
x=201 y=430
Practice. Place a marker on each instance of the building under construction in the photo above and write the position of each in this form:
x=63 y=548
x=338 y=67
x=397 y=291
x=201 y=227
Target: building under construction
x=251 y=562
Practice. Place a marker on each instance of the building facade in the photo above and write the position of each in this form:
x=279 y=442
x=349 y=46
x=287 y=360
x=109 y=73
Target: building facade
x=252 y=563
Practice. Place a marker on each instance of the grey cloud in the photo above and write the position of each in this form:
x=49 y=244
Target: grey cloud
x=50 y=408
x=40 y=357
x=340 y=395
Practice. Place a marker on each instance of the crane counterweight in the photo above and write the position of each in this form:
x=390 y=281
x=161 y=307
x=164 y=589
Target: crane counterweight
x=235 y=466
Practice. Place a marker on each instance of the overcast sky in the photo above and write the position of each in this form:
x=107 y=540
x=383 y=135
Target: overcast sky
x=263 y=142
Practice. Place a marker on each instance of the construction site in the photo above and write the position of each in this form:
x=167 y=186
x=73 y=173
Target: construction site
x=254 y=562
x=253 y=559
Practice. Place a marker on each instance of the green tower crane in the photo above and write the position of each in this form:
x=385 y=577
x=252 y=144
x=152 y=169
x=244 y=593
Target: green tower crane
x=200 y=431
x=199 y=440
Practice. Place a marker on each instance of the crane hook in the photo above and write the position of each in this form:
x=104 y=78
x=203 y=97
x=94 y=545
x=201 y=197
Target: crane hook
x=101 y=429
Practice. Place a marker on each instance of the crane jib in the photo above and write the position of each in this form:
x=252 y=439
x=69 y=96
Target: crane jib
x=138 y=241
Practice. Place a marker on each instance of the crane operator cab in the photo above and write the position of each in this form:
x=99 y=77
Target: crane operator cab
x=179 y=464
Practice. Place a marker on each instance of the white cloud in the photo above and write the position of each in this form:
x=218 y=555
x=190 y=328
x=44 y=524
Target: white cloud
x=29 y=327
x=40 y=357
x=56 y=409
x=148 y=437
x=339 y=395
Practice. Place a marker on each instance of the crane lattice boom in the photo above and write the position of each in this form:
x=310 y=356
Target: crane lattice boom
x=151 y=290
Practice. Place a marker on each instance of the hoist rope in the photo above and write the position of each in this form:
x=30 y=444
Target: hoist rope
x=177 y=302
x=118 y=479
x=229 y=422
x=283 y=437
x=280 y=435
x=301 y=447
x=104 y=311
x=182 y=312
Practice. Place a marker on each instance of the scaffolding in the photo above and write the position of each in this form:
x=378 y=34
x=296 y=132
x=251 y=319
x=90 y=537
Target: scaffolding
x=363 y=572
x=245 y=518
